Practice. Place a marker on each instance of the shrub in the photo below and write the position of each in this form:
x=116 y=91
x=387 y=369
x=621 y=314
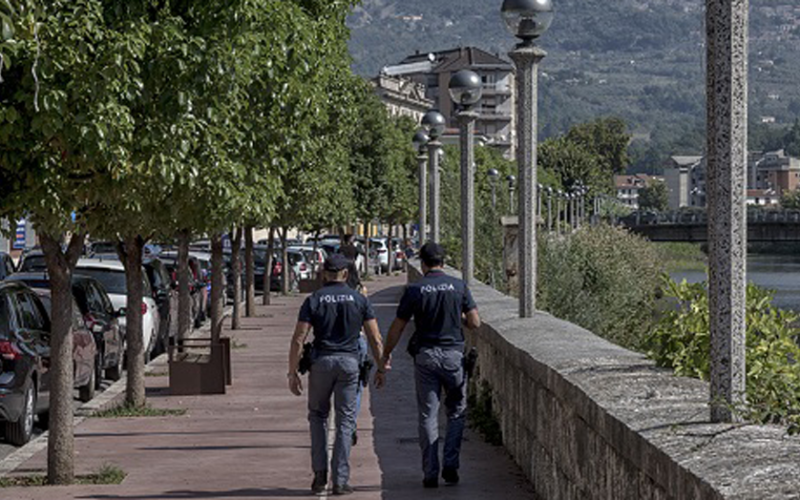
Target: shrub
x=681 y=341
x=602 y=278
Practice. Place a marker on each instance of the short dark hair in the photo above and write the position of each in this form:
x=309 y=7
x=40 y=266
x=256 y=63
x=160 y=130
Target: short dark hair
x=348 y=238
x=432 y=254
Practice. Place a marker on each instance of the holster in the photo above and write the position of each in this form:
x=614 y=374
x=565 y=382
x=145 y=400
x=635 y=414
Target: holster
x=470 y=360
x=364 y=370
x=305 y=360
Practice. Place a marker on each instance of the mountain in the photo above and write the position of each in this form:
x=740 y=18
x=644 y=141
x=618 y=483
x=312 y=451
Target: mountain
x=642 y=60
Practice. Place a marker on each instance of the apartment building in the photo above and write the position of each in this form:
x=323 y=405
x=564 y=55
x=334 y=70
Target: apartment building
x=402 y=96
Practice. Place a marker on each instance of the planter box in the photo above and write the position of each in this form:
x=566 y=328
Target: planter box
x=199 y=366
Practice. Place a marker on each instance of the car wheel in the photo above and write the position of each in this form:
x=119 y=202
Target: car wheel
x=115 y=372
x=18 y=433
x=86 y=392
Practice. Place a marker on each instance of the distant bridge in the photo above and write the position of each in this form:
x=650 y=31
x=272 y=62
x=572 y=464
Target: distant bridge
x=692 y=225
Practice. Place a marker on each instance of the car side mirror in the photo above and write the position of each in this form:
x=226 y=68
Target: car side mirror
x=122 y=312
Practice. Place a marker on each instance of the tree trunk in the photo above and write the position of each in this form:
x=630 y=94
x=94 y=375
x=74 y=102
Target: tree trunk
x=267 y=297
x=250 y=279
x=287 y=269
x=316 y=266
x=134 y=333
x=184 y=294
x=236 y=270
x=61 y=440
x=217 y=285
x=366 y=249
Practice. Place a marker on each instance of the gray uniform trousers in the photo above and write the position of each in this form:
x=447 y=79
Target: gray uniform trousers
x=337 y=376
x=437 y=369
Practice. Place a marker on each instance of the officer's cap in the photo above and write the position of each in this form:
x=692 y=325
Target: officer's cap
x=432 y=254
x=335 y=263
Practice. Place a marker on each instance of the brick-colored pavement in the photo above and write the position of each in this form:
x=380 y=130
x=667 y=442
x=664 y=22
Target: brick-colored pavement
x=253 y=442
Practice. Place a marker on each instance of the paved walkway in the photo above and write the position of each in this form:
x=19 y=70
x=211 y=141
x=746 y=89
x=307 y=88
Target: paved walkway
x=253 y=442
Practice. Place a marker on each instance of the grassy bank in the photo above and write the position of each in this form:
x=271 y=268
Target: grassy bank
x=678 y=256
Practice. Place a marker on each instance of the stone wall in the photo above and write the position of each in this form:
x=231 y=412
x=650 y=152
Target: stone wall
x=586 y=419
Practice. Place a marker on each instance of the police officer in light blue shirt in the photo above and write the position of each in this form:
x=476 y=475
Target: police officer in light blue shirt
x=336 y=313
x=439 y=305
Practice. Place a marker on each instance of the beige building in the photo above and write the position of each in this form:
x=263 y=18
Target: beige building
x=777 y=171
x=496 y=112
x=402 y=96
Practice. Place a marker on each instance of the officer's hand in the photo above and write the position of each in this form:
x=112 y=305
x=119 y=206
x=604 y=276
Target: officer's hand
x=380 y=379
x=295 y=384
x=387 y=363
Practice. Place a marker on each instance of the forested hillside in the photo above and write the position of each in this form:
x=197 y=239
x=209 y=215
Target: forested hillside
x=637 y=59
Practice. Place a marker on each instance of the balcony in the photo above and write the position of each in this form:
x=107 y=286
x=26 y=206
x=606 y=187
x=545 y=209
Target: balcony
x=496 y=89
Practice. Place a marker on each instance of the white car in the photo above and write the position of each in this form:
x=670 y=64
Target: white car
x=314 y=260
x=111 y=273
x=379 y=255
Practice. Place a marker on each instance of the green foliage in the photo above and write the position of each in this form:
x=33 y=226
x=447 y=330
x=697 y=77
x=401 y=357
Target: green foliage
x=681 y=341
x=482 y=415
x=602 y=278
x=791 y=200
x=654 y=196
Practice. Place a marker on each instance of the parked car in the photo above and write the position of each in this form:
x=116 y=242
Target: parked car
x=197 y=283
x=7 y=267
x=24 y=361
x=86 y=376
x=166 y=300
x=112 y=275
x=300 y=267
x=32 y=261
x=314 y=258
x=93 y=304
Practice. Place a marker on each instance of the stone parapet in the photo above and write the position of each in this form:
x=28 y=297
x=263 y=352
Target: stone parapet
x=586 y=419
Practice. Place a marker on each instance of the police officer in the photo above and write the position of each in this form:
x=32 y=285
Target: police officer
x=438 y=304
x=336 y=313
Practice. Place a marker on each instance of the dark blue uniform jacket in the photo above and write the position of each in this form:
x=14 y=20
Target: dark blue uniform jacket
x=336 y=312
x=436 y=303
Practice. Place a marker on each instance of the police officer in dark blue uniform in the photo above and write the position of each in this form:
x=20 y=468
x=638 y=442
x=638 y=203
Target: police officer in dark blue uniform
x=439 y=305
x=336 y=313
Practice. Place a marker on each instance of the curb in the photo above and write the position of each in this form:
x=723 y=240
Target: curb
x=110 y=399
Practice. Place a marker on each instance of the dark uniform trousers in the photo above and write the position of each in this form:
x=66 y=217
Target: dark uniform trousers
x=332 y=375
x=440 y=370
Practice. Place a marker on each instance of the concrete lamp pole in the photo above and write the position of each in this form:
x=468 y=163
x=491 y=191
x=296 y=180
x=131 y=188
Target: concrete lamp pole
x=512 y=186
x=726 y=136
x=527 y=20
x=549 y=209
x=434 y=123
x=493 y=175
x=466 y=89
x=420 y=142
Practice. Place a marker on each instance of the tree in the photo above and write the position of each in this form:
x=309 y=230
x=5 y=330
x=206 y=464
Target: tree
x=792 y=140
x=790 y=200
x=608 y=139
x=654 y=196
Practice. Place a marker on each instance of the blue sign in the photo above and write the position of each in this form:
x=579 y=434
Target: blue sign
x=19 y=237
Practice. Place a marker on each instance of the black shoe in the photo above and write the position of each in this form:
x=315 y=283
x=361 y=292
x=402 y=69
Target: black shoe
x=320 y=482
x=355 y=438
x=431 y=482
x=344 y=489
x=450 y=476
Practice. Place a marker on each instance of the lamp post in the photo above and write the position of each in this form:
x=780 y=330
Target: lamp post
x=465 y=90
x=433 y=122
x=420 y=142
x=549 y=209
x=512 y=186
x=493 y=175
x=539 y=189
x=527 y=20
x=559 y=196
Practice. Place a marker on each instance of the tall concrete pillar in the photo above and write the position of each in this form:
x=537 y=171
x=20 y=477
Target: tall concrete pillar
x=422 y=161
x=726 y=136
x=434 y=149
x=466 y=121
x=526 y=59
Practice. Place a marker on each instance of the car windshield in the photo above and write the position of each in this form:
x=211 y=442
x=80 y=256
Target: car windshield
x=294 y=258
x=113 y=281
x=33 y=263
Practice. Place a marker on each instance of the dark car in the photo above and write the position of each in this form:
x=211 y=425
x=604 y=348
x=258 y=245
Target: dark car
x=197 y=283
x=7 y=267
x=84 y=350
x=32 y=262
x=163 y=293
x=24 y=360
x=93 y=304
x=99 y=315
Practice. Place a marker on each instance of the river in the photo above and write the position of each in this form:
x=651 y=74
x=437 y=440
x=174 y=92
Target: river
x=780 y=273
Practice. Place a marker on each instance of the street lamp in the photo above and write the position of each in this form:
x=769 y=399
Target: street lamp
x=539 y=189
x=465 y=90
x=512 y=184
x=493 y=175
x=549 y=208
x=420 y=142
x=527 y=20
x=434 y=123
x=559 y=196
